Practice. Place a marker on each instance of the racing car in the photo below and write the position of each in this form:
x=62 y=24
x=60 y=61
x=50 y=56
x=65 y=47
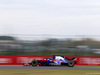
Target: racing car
x=55 y=61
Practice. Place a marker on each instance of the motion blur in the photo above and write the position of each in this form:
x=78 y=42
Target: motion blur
x=48 y=45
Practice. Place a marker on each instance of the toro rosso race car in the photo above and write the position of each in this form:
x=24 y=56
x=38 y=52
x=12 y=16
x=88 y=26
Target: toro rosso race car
x=55 y=61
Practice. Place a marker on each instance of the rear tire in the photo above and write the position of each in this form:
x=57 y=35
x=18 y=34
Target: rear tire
x=34 y=63
x=70 y=63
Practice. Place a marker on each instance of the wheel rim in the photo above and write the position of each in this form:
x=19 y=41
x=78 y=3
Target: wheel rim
x=34 y=63
x=70 y=63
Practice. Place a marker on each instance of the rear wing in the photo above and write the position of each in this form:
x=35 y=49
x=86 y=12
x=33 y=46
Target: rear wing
x=62 y=58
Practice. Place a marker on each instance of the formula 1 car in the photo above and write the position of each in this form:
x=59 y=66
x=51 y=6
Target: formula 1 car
x=55 y=61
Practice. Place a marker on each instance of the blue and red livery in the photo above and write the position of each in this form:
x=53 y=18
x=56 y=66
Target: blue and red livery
x=55 y=61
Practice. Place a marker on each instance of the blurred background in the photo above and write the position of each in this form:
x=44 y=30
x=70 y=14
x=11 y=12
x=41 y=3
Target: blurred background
x=48 y=45
x=53 y=27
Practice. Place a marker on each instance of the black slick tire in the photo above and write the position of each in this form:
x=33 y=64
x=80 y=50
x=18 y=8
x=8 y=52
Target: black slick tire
x=34 y=63
x=70 y=63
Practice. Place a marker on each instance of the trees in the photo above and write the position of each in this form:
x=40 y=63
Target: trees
x=49 y=43
x=6 y=38
x=87 y=41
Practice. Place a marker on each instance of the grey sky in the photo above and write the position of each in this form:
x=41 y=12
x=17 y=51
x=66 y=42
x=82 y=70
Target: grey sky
x=56 y=17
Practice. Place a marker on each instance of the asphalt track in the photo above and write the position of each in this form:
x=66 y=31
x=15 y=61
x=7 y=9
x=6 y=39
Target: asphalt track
x=49 y=67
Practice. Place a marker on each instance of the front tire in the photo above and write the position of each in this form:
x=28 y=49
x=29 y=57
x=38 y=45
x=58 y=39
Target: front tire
x=70 y=63
x=34 y=63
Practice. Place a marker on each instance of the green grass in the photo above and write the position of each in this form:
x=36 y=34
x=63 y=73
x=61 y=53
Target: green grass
x=47 y=72
x=49 y=53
